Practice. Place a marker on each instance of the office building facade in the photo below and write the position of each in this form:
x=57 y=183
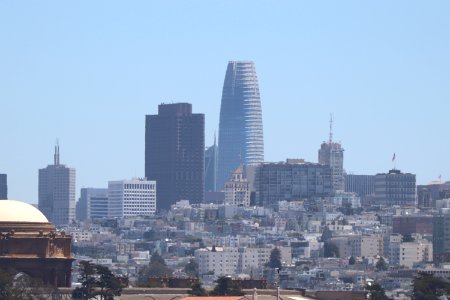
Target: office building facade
x=241 y=139
x=175 y=154
x=292 y=180
x=129 y=198
x=332 y=154
x=362 y=185
x=92 y=204
x=57 y=192
x=395 y=188
x=3 y=187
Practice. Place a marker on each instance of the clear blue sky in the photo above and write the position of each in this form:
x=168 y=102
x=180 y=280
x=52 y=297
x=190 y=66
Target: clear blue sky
x=87 y=72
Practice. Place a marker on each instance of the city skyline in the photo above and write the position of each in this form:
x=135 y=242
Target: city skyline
x=386 y=85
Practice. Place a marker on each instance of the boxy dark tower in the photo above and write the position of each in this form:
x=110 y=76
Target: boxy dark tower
x=175 y=154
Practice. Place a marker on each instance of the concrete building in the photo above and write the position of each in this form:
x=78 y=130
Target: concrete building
x=441 y=233
x=415 y=252
x=293 y=180
x=175 y=153
x=237 y=189
x=346 y=199
x=372 y=245
x=427 y=195
x=332 y=154
x=57 y=192
x=3 y=187
x=241 y=139
x=348 y=245
x=231 y=261
x=362 y=185
x=135 y=197
x=92 y=204
x=410 y=224
x=395 y=188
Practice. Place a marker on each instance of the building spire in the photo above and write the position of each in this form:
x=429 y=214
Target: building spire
x=56 y=155
x=331 y=129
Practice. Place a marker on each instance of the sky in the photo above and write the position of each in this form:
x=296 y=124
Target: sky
x=87 y=73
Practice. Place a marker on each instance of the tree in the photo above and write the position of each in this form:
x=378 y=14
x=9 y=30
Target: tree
x=274 y=259
x=156 y=268
x=197 y=290
x=428 y=287
x=191 y=268
x=351 y=260
x=226 y=287
x=97 y=276
x=381 y=265
x=376 y=291
x=330 y=250
x=87 y=280
x=110 y=285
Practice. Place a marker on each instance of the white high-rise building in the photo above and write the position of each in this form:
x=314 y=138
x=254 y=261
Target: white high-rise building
x=135 y=197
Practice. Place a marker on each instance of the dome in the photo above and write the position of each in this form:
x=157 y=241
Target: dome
x=20 y=212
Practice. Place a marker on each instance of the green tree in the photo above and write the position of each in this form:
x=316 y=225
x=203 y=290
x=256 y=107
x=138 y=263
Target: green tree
x=428 y=287
x=197 y=290
x=225 y=286
x=376 y=291
x=191 y=268
x=87 y=280
x=351 y=260
x=110 y=285
x=98 y=280
x=381 y=265
x=156 y=268
x=330 y=250
x=274 y=259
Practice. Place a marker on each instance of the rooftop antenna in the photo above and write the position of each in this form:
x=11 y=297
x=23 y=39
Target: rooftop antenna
x=331 y=129
x=56 y=156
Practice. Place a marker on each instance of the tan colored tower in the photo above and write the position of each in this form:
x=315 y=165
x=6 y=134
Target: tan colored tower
x=237 y=190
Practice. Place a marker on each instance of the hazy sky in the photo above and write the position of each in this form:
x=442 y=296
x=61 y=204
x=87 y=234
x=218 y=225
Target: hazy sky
x=87 y=72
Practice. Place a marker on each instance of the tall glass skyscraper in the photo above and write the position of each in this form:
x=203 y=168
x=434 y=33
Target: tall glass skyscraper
x=241 y=139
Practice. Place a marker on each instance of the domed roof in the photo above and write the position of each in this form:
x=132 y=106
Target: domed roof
x=20 y=212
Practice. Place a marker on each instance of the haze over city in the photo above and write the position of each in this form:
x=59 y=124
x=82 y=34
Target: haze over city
x=88 y=73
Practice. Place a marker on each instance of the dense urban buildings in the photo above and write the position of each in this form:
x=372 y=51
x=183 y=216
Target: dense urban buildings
x=395 y=188
x=332 y=154
x=129 y=198
x=291 y=180
x=57 y=192
x=362 y=185
x=429 y=193
x=175 y=154
x=241 y=139
x=92 y=204
x=3 y=187
x=211 y=168
x=237 y=190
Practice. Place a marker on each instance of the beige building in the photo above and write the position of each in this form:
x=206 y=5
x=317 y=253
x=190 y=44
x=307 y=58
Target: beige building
x=237 y=190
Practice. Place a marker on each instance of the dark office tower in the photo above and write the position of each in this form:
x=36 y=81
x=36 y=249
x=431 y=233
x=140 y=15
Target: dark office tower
x=211 y=168
x=175 y=154
x=332 y=154
x=57 y=192
x=3 y=187
x=241 y=140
